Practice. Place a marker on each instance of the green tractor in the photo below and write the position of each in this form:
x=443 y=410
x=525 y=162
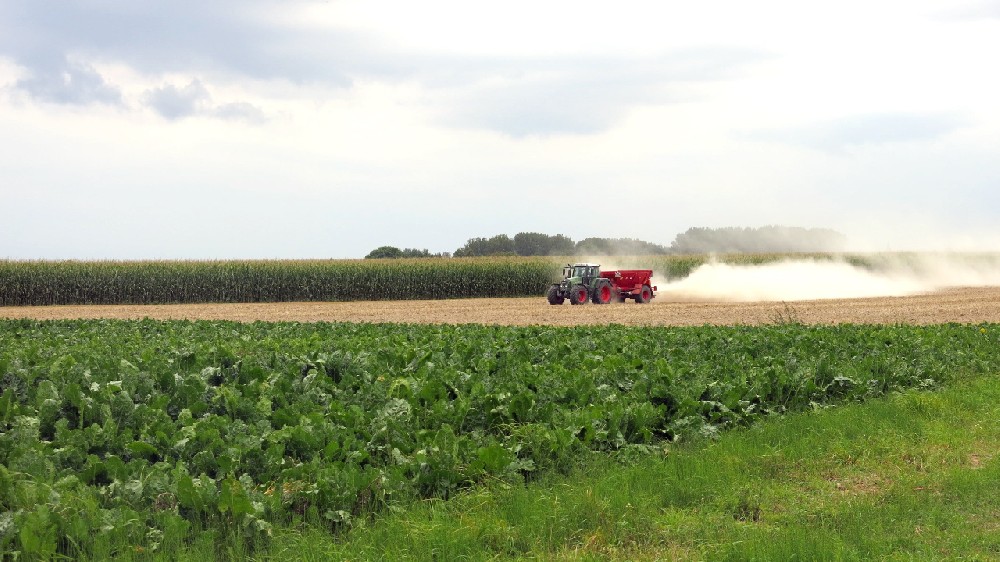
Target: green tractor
x=582 y=281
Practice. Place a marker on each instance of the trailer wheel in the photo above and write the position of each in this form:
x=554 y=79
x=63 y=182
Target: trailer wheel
x=554 y=296
x=578 y=295
x=645 y=295
x=602 y=293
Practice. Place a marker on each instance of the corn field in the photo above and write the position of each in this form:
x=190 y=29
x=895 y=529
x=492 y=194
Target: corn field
x=25 y=283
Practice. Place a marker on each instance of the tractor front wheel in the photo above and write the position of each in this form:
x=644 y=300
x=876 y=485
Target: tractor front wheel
x=554 y=296
x=578 y=295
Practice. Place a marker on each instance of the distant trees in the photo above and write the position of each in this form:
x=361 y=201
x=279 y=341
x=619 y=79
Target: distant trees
x=767 y=239
x=699 y=240
x=538 y=244
x=499 y=245
x=618 y=247
x=392 y=252
x=523 y=244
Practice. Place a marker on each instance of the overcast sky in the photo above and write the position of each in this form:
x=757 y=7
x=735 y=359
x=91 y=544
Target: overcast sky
x=292 y=129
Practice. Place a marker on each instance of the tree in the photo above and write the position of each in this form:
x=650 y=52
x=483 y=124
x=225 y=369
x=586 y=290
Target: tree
x=415 y=253
x=538 y=244
x=499 y=245
x=766 y=239
x=618 y=247
x=384 y=252
x=392 y=252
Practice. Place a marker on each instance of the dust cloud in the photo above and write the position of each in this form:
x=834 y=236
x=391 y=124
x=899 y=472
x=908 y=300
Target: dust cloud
x=808 y=279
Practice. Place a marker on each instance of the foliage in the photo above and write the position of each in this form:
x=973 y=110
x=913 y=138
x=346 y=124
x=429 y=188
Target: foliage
x=537 y=244
x=143 y=432
x=767 y=239
x=385 y=252
x=392 y=252
x=618 y=247
x=499 y=245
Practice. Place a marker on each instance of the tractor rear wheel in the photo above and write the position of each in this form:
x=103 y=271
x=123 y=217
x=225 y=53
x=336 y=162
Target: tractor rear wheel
x=645 y=295
x=578 y=295
x=554 y=296
x=602 y=293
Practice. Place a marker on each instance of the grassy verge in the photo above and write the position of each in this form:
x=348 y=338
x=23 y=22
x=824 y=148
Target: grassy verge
x=909 y=477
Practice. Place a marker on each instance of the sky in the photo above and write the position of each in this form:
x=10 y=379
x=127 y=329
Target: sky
x=234 y=129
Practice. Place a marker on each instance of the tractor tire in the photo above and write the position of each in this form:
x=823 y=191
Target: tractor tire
x=578 y=295
x=602 y=293
x=554 y=296
x=644 y=296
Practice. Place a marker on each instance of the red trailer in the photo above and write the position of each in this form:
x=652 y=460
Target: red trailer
x=586 y=281
x=631 y=284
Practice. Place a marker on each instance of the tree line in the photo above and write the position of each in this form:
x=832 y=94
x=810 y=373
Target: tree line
x=767 y=239
x=698 y=240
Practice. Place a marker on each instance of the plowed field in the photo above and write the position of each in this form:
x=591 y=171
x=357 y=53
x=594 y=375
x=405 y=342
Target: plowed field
x=967 y=305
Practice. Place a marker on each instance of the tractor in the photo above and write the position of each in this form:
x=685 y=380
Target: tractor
x=585 y=281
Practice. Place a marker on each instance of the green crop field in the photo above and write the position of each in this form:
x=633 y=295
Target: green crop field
x=109 y=282
x=28 y=283
x=137 y=438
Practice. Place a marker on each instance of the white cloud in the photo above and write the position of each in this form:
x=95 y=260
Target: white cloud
x=69 y=82
x=174 y=102
x=178 y=102
x=240 y=111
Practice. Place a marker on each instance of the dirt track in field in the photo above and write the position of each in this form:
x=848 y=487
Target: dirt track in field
x=969 y=305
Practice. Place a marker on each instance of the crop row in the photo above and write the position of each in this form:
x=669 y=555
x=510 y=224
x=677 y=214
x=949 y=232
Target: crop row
x=140 y=432
x=27 y=283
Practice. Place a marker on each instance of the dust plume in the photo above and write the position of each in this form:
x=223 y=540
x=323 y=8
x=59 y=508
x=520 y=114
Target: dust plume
x=814 y=279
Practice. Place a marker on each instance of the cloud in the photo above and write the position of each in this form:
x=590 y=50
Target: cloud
x=240 y=37
x=240 y=111
x=869 y=129
x=580 y=95
x=173 y=102
x=236 y=40
x=70 y=83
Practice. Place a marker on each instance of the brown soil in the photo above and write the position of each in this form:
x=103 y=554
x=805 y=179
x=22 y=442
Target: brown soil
x=969 y=305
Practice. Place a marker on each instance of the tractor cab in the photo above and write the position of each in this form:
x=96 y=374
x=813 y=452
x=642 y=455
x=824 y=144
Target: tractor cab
x=580 y=274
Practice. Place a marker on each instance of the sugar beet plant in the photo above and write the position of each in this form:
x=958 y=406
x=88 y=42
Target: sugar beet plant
x=117 y=436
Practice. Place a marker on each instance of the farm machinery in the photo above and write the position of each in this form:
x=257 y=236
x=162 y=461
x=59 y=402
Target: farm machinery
x=585 y=281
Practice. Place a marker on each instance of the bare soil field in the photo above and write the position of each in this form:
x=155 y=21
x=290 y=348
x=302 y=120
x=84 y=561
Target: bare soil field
x=967 y=305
